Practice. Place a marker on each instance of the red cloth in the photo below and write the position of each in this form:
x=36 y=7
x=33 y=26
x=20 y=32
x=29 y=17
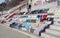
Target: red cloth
x=3 y=22
x=41 y=20
x=44 y=17
x=12 y=15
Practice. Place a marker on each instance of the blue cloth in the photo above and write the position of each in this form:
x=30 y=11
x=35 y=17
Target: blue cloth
x=20 y=26
x=13 y=25
x=27 y=20
x=27 y=26
x=46 y=10
x=39 y=16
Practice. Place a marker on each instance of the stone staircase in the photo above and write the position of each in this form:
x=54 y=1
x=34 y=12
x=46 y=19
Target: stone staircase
x=52 y=32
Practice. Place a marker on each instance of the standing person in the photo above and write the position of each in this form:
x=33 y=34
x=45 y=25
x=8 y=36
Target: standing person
x=29 y=6
x=29 y=9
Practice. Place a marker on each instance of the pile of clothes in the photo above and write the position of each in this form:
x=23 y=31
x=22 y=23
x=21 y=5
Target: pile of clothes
x=39 y=11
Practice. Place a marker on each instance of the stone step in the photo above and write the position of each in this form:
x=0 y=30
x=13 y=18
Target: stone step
x=46 y=35
x=56 y=23
x=55 y=27
x=53 y=32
